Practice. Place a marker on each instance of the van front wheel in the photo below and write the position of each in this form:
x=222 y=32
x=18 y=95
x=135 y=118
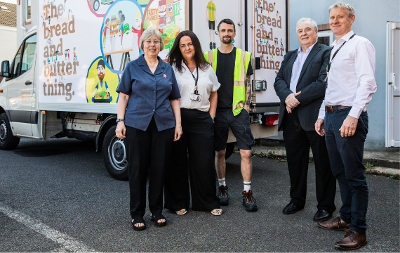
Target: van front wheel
x=7 y=139
x=114 y=154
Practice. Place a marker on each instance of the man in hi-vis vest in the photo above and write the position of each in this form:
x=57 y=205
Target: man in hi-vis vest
x=233 y=69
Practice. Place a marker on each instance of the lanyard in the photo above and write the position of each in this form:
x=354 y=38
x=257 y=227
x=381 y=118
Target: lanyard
x=330 y=62
x=194 y=78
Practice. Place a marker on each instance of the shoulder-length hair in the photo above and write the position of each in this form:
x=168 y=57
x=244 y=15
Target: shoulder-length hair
x=175 y=56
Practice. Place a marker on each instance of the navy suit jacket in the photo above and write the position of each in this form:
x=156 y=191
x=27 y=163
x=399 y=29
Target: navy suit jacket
x=311 y=83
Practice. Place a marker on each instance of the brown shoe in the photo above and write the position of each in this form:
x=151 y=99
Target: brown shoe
x=335 y=224
x=352 y=240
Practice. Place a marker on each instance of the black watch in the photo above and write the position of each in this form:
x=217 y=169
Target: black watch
x=118 y=120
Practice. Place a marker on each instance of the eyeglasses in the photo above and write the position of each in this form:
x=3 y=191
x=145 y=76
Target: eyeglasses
x=154 y=42
x=100 y=68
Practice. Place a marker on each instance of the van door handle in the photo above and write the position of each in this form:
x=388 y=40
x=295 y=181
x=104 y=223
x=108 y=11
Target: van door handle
x=28 y=82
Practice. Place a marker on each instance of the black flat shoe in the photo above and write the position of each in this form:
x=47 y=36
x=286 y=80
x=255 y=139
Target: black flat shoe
x=291 y=208
x=322 y=215
x=137 y=221
x=156 y=219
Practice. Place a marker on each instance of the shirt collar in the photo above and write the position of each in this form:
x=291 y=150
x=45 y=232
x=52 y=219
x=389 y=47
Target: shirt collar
x=142 y=61
x=160 y=67
x=346 y=37
x=308 y=49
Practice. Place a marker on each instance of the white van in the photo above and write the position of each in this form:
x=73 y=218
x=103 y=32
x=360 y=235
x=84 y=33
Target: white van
x=63 y=78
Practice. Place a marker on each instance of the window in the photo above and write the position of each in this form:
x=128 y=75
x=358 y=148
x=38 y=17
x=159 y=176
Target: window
x=28 y=56
x=27 y=52
x=16 y=63
x=325 y=37
x=28 y=9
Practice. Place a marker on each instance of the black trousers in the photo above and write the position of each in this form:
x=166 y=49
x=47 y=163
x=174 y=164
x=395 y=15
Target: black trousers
x=147 y=152
x=297 y=144
x=197 y=141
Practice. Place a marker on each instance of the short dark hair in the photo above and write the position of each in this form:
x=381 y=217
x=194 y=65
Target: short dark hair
x=101 y=62
x=227 y=21
x=175 y=56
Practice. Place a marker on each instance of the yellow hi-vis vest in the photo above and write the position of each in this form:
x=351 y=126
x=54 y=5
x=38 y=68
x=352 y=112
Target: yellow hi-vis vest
x=240 y=71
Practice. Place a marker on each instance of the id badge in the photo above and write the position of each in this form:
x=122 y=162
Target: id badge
x=195 y=97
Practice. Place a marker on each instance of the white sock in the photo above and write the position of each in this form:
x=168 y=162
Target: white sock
x=247 y=186
x=221 y=182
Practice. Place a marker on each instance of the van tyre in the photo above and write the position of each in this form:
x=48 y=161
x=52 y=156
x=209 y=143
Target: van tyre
x=114 y=154
x=7 y=139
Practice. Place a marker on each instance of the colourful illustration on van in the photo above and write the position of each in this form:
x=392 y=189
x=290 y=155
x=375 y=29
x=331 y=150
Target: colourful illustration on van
x=163 y=15
x=101 y=83
x=100 y=7
x=211 y=23
x=120 y=33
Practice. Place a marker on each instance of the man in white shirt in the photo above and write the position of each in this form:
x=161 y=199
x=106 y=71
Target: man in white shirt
x=351 y=82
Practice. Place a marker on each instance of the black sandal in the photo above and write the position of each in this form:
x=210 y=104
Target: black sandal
x=158 y=217
x=137 y=221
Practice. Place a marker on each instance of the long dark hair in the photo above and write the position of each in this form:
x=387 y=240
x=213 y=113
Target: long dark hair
x=175 y=56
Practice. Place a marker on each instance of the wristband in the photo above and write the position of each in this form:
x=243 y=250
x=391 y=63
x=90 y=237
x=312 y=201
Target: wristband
x=212 y=117
x=118 y=120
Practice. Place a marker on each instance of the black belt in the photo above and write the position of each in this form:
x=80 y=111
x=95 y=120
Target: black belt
x=332 y=108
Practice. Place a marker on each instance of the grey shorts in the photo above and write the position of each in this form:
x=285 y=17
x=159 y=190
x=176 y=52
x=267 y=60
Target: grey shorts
x=240 y=126
x=211 y=25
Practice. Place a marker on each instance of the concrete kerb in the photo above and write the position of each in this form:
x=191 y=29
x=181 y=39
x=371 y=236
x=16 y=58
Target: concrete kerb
x=385 y=162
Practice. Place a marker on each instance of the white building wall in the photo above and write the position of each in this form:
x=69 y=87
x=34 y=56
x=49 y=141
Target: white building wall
x=7 y=50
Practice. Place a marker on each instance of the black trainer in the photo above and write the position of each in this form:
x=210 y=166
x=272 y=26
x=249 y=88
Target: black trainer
x=223 y=195
x=249 y=202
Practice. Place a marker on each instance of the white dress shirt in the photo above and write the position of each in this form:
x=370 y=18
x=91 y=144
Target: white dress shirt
x=351 y=79
x=298 y=66
x=207 y=83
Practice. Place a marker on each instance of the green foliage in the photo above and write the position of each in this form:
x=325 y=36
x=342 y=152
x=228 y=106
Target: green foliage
x=368 y=165
x=393 y=176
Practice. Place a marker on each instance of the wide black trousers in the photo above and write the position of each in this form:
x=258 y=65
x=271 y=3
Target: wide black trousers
x=197 y=142
x=147 y=153
x=297 y=144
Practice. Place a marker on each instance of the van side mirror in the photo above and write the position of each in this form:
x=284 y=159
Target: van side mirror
x=5 y=69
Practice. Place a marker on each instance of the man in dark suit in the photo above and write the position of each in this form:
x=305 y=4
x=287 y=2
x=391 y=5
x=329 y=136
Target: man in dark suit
x=300 y=85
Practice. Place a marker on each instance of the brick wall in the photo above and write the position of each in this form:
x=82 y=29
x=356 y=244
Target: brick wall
x=8 y=17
